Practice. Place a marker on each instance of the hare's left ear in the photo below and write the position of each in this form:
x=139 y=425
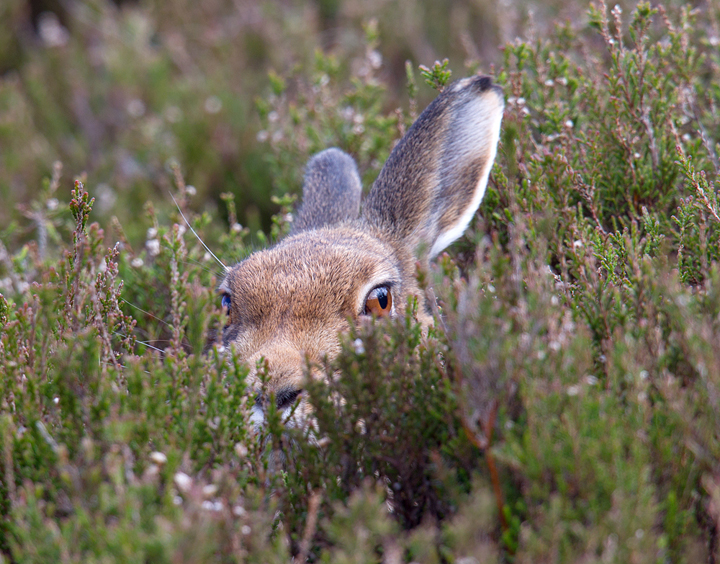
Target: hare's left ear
x=331 y=191
x=434 y=180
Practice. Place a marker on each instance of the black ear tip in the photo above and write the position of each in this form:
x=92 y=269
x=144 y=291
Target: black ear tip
x=484 y=83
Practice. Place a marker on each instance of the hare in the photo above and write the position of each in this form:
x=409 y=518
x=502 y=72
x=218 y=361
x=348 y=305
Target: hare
x=287 y=305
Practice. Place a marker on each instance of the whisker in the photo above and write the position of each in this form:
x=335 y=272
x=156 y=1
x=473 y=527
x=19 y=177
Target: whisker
x=198 y=263
x=146 y=343
x=121 y=366
x=198 y=236
x=146 y=312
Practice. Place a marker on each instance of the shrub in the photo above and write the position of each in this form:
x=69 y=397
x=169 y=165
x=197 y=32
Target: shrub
x=564 y=407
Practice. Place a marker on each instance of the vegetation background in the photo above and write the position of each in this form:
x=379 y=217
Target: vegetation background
x=566 y=408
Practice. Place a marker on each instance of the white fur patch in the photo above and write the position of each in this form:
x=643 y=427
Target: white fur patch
x=479 y=124
x=257 y=417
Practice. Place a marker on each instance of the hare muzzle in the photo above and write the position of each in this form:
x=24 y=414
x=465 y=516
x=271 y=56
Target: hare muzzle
x=287 y=305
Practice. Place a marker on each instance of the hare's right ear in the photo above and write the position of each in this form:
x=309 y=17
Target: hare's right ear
x=331 y=191
x=434 y=180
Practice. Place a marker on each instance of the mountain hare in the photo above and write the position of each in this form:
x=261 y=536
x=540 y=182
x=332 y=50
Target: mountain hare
x=287 y=304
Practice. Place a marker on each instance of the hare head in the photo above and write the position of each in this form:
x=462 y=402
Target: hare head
x=286 y=305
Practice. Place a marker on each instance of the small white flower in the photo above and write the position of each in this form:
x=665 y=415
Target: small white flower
x=687 y=137
x=209 y=490
x=245 y=530
x=137 y=262
x=177 y=500
x=136 y=108
x=358 y=346
x=190 y=190
x=213 y=104
x=51 y=31
x=549 y=82
x=577 y=244
x=153 y=247
x=569 y=124
x=591 y=380
x=56 y=400
x=273 y=116
x=236 y=228
x=241 y=450
x=52 y=204
x=182 y=481
x=375 y=59
x=262 y=136
x=554 y=300
x=151 y=233
x=158 y=458
x=521 y=101
x=360 y=427
x=562 y=80
x=238 y=511
x=573 y=390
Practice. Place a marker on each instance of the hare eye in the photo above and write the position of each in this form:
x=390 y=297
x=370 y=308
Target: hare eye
x=378 y=302
x=226 y=301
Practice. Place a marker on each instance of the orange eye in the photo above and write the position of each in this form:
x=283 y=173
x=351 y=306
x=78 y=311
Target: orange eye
x=378 y=302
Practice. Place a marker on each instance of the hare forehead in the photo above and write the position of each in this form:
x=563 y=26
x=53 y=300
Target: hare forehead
x=313 y=275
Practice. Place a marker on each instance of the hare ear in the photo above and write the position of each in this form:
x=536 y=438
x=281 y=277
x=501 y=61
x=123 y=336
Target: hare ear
x=434 y=180
x=331 y=191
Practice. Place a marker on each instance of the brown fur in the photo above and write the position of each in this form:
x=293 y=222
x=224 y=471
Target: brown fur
x=290 y=302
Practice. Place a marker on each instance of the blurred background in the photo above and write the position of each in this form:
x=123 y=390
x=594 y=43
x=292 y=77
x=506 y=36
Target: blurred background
x=119 y=90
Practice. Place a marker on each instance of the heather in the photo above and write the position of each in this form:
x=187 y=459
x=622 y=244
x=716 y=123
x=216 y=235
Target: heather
x=565 y=406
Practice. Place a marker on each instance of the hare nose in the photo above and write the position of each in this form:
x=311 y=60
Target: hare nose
x=283 y=399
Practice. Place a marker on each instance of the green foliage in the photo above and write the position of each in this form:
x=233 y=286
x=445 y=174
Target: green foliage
x=564 y=407
x=438 y=76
